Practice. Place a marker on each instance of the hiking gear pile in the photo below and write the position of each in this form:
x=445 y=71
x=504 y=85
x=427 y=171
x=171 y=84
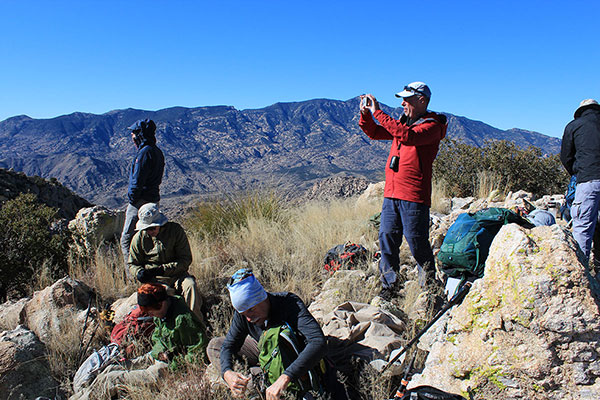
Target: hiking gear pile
x=94 y=364
x=344 y=256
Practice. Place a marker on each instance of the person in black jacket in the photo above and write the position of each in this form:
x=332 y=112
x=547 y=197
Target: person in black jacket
x=257 y=311
x=580 y=155
x=145 y=176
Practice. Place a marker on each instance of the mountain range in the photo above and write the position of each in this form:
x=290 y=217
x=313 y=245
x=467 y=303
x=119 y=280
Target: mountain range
x=218 y=148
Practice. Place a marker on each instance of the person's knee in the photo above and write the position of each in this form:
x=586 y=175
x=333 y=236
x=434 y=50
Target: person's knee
x=213 y=350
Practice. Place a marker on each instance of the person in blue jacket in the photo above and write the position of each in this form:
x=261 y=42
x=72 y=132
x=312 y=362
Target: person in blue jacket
x=145 y=176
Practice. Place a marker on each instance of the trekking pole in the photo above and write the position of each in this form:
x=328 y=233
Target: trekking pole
x=457 y=298
x=87 y=314
x=405 y=379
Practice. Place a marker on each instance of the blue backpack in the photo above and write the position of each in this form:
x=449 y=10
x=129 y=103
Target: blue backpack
x=565 y=211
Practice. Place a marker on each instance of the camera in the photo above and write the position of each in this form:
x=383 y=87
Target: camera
x=394 y=163
x=365 y=102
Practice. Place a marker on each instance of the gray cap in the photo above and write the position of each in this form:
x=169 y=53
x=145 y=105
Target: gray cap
x=149 y=216
x=585 y=104
x=415 y=88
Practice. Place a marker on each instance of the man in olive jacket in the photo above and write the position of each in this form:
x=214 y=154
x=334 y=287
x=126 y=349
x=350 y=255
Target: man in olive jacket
x=160 y=253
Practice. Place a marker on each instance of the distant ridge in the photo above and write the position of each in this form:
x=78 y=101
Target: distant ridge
x=210 y=149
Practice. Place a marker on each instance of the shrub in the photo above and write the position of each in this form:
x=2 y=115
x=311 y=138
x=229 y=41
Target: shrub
x=502 y=165
x=217 y=217
x=28 y=245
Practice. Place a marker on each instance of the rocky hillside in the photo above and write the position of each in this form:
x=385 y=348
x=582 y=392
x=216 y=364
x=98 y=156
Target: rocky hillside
x=211 y=148
x=49 y=192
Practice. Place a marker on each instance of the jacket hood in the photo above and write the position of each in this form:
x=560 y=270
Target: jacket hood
x=144 y=131
x=581 y=110
x=429 y=117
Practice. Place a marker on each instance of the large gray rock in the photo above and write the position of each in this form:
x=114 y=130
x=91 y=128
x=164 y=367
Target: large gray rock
x=373 y=194
x=529 y=329
x=95 y=225
x=123 y=306
x=51 y=310
x=24 y=371
x=11 y=313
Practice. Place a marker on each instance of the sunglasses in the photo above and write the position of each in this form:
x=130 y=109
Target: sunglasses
x=413 y=90
x=240 y=276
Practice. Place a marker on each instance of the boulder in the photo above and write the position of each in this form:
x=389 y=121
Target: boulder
x=461 y=203
x=373 y=194
x=528 y=329
x=95 y=225
x=337 y=187
x=11 y=313
x=123 y=306
x=24 y=370
x=520 y=194
x=57 y=307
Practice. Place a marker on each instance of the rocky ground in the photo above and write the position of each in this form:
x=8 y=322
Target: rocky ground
x=529 y=329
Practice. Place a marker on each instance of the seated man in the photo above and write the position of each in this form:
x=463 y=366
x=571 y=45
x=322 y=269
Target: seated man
x=256 y=312
x=160 y=253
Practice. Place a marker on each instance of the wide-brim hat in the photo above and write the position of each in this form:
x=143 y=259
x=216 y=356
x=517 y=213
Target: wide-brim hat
x=586 y=104
x=149 y=216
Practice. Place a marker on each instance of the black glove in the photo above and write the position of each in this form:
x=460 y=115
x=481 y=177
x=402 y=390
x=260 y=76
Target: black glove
x=156 y=271
x=144 y=275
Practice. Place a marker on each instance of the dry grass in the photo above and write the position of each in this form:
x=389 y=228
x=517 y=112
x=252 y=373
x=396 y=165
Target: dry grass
x=285 y=247
x=488 y=181
x=439 y=197
x=67 y=349
x=105 y=272
x=286 y=253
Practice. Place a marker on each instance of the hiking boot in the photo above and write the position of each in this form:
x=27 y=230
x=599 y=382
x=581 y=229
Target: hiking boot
x=387 y=294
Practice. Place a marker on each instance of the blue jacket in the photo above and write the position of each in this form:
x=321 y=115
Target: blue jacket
x=145 y=174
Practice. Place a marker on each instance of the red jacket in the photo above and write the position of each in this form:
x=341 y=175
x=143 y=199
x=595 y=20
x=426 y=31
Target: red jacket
x=415 y=145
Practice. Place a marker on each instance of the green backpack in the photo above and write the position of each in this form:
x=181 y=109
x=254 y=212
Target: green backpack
x=278 y=348
x=467 y=243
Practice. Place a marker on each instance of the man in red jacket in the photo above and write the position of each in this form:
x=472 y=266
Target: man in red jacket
x=407 y=196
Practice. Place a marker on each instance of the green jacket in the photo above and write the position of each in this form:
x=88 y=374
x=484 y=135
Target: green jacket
x=170 y=250
x=179 y=333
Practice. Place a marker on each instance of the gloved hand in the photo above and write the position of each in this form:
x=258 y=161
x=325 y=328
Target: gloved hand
x=144 y=275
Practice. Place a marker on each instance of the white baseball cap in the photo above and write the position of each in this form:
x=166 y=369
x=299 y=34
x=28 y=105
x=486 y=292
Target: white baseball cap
x=415 y=88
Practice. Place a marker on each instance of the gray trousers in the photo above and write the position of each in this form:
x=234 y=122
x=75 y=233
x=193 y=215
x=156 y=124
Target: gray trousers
x=131 y=218
x=585 y=214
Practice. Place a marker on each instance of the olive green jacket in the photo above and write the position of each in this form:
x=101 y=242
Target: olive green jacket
x=178 y=334
x=169 y=250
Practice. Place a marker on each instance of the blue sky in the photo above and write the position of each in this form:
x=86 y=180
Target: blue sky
x=524 y=64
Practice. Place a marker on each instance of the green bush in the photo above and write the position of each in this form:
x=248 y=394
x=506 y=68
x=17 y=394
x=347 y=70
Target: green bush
x=461 y=166
x=28 y=247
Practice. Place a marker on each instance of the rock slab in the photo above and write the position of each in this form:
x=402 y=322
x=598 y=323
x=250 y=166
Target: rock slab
x=529 y=329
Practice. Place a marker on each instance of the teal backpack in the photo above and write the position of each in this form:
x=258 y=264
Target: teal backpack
x=467 y=243
x=278 y=348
